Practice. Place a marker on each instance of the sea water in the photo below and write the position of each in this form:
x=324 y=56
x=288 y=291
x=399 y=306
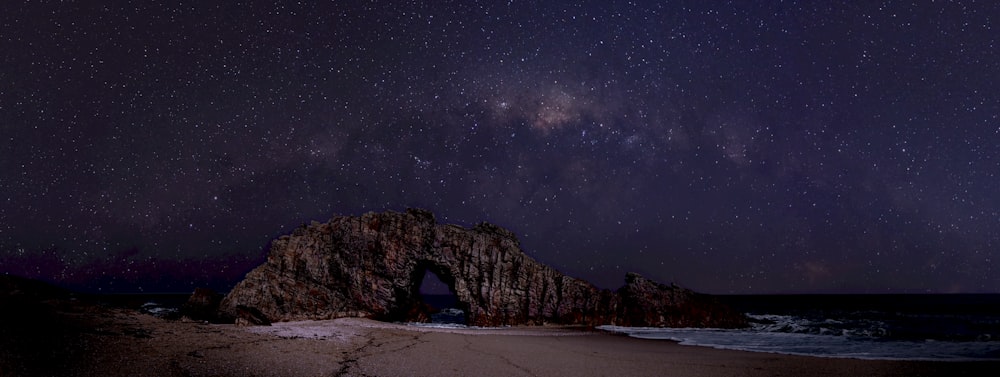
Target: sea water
x=447 y=315
x=888 y=327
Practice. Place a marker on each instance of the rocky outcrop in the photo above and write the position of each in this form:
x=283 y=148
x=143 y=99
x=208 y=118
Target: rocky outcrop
x=202 y=305
x=16 y=287
x=373 y=266
x=247 y=316
x=649 y=304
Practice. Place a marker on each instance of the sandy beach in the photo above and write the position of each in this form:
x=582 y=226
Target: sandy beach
x=88 y=341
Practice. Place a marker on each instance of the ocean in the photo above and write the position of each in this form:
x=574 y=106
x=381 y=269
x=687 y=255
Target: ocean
x=959 y=327
x=448 y=313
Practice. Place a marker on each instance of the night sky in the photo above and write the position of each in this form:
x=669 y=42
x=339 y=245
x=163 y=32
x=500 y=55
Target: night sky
x=730 y=147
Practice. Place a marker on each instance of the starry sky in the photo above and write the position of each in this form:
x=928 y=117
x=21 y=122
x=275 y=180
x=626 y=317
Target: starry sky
x=727 y=146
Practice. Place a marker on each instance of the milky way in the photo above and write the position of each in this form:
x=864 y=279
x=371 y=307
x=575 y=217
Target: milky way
x=740 y=147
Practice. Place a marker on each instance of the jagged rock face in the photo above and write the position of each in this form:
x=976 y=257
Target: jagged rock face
x=373 y=265
x=646 y=303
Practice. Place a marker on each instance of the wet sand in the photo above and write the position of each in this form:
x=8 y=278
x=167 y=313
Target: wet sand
x=119 y=342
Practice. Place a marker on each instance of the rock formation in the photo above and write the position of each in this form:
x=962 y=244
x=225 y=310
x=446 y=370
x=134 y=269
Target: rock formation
x=247 y=316
x=373 y=266
x=647 y=303
x=202 y=304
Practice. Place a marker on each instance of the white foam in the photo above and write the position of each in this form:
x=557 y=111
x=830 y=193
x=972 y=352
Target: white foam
x=156 y=310
x=818 y=345
x=442 y=325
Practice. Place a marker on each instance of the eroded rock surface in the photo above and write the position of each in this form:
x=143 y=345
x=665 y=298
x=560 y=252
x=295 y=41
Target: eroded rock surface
x=646 y=303
x=373 y=265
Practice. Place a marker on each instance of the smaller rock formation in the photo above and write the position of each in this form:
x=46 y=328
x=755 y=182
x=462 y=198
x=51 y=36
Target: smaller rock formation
x=645 y=303
x=202 y=305
x=16 y=287
x=247 y=316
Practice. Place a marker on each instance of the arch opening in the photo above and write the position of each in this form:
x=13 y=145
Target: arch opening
x=436 y=292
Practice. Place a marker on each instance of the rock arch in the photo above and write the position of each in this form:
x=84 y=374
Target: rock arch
x=369 y=266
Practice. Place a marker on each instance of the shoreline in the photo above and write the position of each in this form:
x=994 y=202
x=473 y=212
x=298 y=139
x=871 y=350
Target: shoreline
x=528 y=351
x=88 y=341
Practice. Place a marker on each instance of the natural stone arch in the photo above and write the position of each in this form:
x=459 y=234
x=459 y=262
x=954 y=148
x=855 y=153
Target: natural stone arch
x=369 y=265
